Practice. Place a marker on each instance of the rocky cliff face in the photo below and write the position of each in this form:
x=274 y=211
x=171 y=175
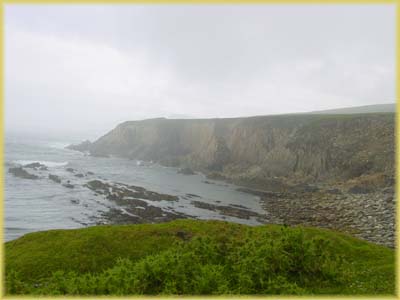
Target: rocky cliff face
x=264 y=151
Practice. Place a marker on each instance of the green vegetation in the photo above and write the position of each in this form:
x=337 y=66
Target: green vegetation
x=196 y=257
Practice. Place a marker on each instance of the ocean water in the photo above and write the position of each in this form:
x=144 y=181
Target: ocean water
x=35 y=205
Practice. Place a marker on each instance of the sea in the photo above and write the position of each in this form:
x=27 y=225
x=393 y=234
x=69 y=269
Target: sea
x=42 y=204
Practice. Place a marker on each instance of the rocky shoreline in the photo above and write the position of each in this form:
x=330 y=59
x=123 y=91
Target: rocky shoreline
x=370 y=216
x=362 y=208
x=359 y=210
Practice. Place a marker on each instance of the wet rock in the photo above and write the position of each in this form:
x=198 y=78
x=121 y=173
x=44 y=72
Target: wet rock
x=97 y=185
x=79 y=175
x=68 y=185
x=186 y=171
x=193 y=196
x=133 y=210
x=21 y=173
x=228 y=210
x=259 y=192
x=119 y=191
x=137 y=211
x=55 y=178
x=238 y=206
x=117 y=216
x=74 y=201
x=36 y=166
x=216 y=176
x=208 y=182
x=82 y=147
x=99 y=154
x=89 y=173
x=71 y=170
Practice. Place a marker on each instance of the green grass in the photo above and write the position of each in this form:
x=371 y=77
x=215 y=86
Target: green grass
x=196 y=257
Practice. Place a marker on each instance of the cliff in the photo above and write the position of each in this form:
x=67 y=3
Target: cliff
x=267 y=151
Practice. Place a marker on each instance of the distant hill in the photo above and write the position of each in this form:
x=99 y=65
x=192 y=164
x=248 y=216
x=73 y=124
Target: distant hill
x=377 y=108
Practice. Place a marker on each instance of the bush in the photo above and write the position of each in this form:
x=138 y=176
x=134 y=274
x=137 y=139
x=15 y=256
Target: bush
x=284 y=263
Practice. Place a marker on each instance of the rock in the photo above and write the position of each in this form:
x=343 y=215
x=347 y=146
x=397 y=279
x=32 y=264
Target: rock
x=358 y=189
x=97 y=185
x=99 y=154
x=82 y=147
x=193 y=196
x=79 y=175
x=21 y=173
x=228 y=210
x=138 y=211
x=260 y=193
x=183 y=235
x=68 y=185
x=305 y=188
x=89 y=173
x=369 y=216
x=36 y=166
x=186 y=171
x=294 y=148
x=238 y=206
x=119 y=191
x=74 y=201
x=216 y=176
x=71 y=170
x=388 y=190
x=55 y=178
x=333 y=191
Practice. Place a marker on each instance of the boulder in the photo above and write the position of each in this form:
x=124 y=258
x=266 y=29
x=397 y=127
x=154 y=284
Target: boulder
x=21 y=173
x=36 y=166
x=55 y=178
x=82 y=147
x=186 y=171
x=68 y=185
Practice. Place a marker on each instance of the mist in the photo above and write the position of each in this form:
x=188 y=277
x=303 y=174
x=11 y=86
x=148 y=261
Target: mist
x=84 y=69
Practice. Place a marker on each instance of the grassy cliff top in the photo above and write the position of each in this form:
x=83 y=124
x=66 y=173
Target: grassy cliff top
x=197 y=257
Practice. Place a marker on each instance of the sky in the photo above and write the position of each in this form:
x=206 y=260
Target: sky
x=86 y=68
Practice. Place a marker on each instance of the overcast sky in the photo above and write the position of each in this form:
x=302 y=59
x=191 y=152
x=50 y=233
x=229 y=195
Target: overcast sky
x=88 y=68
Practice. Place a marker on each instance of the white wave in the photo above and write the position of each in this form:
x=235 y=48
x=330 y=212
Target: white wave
x=49 y=164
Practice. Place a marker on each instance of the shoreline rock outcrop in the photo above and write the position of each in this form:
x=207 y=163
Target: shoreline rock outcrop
x=22 y=173
x=82 y=147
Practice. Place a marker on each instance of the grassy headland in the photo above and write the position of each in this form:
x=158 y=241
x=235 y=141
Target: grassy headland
x=196 y=257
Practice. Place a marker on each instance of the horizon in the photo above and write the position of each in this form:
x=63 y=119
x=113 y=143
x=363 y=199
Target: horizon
x=135 y=62
x=92 y=135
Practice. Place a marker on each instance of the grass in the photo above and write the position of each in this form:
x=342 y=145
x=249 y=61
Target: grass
x=197 y=257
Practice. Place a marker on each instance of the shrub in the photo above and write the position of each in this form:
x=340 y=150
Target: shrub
x=284 y=263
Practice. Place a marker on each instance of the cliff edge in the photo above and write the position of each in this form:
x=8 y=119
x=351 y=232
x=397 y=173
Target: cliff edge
x=266 y=151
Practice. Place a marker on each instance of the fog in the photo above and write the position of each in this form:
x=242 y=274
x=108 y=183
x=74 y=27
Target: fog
x=84 y=69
